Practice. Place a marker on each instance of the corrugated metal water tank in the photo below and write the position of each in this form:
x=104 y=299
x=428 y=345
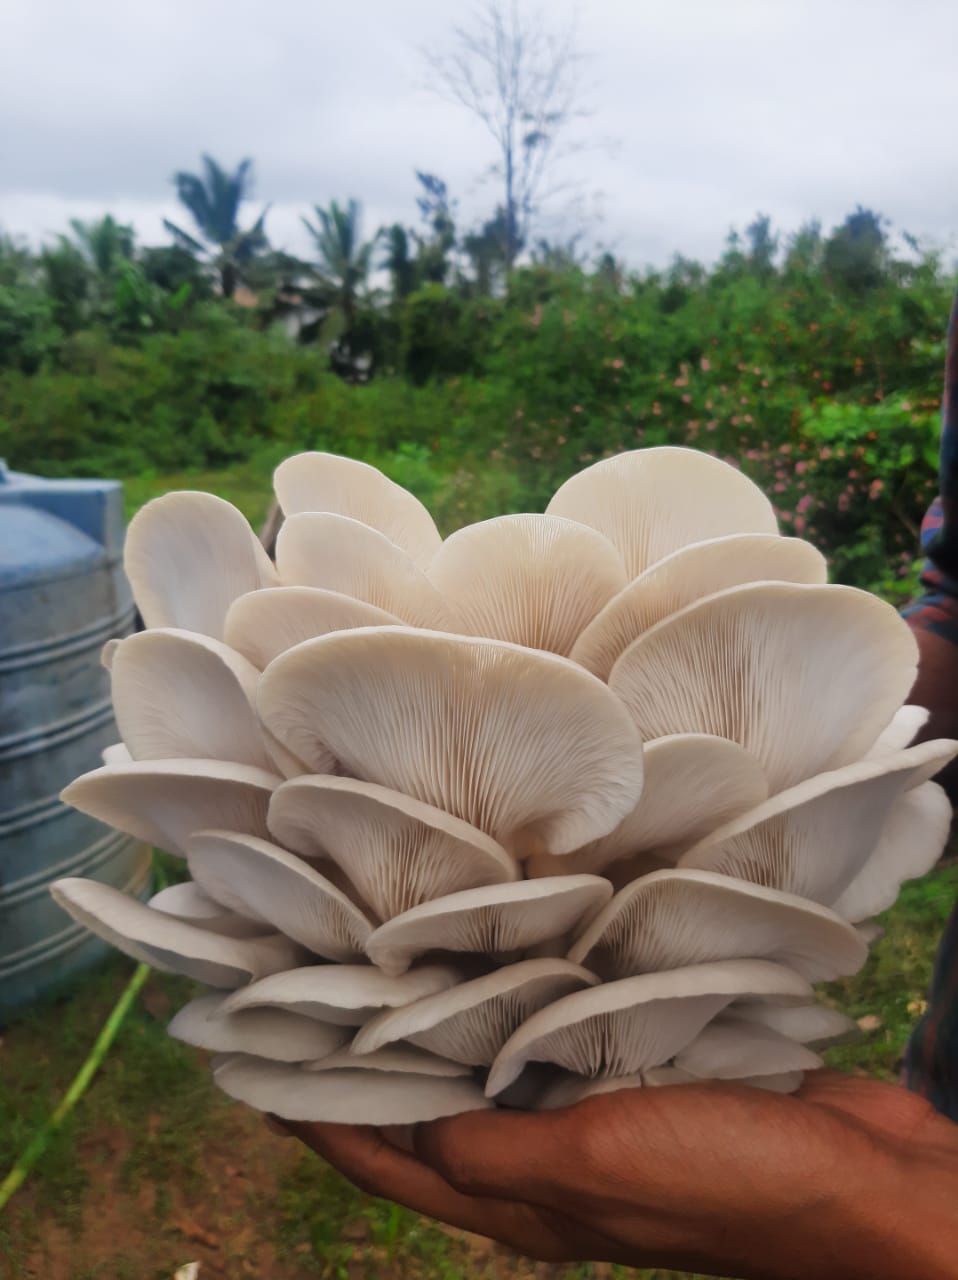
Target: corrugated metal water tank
x=63 y=593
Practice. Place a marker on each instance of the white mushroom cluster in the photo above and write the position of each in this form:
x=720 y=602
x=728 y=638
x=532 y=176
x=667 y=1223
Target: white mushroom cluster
x=563 y=803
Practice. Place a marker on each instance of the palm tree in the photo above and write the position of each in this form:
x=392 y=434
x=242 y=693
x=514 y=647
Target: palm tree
x=402 y=267
x=214 y=200
x=105 y=243
x=344 y=258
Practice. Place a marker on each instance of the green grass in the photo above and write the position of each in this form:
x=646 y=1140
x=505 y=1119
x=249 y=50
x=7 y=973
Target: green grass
x=247 y=485
x=893 y=984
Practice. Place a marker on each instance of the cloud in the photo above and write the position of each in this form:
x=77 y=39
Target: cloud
x=797 y=108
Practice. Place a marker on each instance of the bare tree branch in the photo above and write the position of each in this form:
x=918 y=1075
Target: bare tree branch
x=522 y=81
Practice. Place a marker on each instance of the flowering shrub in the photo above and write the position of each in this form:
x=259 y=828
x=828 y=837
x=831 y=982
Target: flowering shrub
x=830 y=403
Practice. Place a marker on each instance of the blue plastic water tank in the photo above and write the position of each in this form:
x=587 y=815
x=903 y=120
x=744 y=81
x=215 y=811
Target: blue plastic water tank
x=63 y=593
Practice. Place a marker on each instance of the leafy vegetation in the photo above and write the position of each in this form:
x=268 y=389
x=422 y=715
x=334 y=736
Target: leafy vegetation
x=815 y=366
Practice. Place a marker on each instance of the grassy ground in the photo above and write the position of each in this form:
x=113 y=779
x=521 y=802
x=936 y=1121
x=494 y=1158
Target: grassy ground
x=246 y=485
x=155 y=1169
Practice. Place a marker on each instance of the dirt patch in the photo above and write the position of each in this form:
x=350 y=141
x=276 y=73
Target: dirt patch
x=137 y=1228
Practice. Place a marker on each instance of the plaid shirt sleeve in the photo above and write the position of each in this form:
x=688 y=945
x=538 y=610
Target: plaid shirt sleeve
x=931 y=1060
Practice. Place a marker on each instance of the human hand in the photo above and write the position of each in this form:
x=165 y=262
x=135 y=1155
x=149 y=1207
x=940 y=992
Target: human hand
x=847 y=1178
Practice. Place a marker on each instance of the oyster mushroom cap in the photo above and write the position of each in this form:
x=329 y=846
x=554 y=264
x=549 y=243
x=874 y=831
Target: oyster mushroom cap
x=276 y=1034
x=346 y=1096
x=182 y=694
x=293 y=896
x=495 y=920
x=689 y=574
x=162 y=802
x=470 y=1022
x=399 y=1057
x=669 y=919
x=693 y=783
x=187 y=901
x=480 y=728
x=264 y=624
x=817 y=837
x=900 y=732
x=717 y=667
x=534 y=580
x=634 y=1024
x=188 y=556
x=327 y=482
x=396 y=850
x=116 y=753
x=168 y=943
x=911 y=842
x=650 y=502
x=815 y=1024
x=730 y=1049
x=339 y=554
x=345 y=995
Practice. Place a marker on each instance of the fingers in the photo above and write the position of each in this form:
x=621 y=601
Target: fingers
x=377 y=1167
x=876 y=1106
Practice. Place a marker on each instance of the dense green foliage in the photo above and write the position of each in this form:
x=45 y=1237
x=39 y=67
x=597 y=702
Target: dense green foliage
x=815 y=368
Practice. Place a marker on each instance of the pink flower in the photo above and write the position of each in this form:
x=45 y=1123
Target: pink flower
x=825 y=453
x=799 y=524
x=906 y=405
x=618 y=364
x=843 y=502
x=577 y=408
x=705 y=365
x=686 y=399
x=779 y=487
x=875 y=488
x=785 y=448
x=804 y=503
x=801 y=467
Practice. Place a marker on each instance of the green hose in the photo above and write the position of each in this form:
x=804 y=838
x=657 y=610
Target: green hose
x=38 y=1144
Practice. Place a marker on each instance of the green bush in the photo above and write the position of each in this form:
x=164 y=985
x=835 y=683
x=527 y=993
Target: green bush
x=829 y=402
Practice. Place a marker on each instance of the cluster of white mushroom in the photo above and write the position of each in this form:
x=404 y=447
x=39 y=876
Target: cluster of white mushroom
x=563 y=803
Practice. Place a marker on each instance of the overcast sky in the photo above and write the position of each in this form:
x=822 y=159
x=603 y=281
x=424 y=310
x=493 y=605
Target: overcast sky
x=719 y=108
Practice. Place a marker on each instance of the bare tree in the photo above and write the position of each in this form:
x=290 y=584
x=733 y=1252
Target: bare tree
x=522 y=81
